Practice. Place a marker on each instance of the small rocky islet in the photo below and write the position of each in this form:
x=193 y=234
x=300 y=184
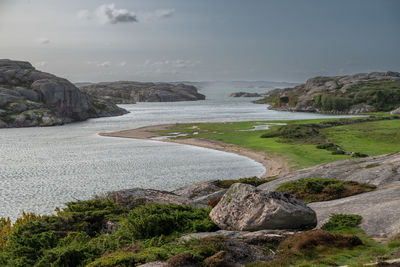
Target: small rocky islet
x=129 y=92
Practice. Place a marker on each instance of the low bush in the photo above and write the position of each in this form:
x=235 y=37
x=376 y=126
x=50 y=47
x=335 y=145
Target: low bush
x=154 y=220
x=323 y=189
x=340 y=222
x=294 y=131
x=254 y=181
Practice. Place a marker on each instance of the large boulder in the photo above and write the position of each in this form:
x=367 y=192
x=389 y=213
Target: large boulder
x=246 y=208
x=29 y=97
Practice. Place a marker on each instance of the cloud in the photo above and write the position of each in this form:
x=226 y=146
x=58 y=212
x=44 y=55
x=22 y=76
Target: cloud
x=43 y=41
x=176 y=63
x=122 y=64
x=41 y=63
x=84 y=14
x=108 y=14
x=104 y=64
x=157 y=14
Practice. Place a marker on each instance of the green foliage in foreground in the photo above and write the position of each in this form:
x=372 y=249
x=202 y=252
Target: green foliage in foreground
x=323 y=189
x=75 y=236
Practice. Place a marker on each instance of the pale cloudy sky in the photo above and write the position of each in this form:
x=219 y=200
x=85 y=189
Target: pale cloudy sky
x=172 y=40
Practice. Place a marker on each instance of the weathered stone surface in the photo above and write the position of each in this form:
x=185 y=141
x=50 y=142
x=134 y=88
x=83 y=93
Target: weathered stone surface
x=133 y=196
x=246 y=208
x=379 y=209
x=396 y=111
x=198 y=189
x=274 y=236
x=378 y=170
x=361 y=108
x=128 y=92
x=203 y=200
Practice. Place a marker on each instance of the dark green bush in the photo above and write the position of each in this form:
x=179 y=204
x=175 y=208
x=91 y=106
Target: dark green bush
x=255 y=181
x=293 y=131
x=322 y=189
x=153 y=220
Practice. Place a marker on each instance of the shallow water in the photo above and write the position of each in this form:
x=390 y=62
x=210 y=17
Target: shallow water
x=41 y=168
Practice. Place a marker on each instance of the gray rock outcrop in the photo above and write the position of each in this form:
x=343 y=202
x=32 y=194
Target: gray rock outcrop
x=246 y=208
x=379 y=208
x=29 y=97
x=395 y=111
x=128 y=92
x=378 y=170
x=350 y=94
x=134 y=196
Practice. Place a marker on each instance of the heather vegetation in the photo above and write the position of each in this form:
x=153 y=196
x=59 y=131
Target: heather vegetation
x=322 y=189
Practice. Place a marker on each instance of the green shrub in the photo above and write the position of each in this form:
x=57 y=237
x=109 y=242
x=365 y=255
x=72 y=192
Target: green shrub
x=154 y=219
x=293 y=131
x=338 y=222
x=254 y=181
x=322 y=189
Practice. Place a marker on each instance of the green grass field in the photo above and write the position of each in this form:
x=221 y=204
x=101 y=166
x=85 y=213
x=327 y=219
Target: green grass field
x=372 y=138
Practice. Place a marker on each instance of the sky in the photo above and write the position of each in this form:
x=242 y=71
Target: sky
x=199 y=40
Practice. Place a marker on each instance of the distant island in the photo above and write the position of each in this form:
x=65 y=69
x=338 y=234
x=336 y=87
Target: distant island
x=245 y=94
x=29 y=97
x=129 y=92
x=350 y=94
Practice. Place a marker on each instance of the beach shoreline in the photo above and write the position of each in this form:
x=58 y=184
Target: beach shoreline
x=273 y=165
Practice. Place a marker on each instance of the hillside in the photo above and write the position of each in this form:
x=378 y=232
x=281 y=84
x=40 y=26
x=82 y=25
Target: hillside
x=128 y=92
x=29 y=97
x=351 y=94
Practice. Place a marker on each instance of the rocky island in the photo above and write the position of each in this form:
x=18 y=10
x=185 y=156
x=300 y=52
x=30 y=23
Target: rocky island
x=350 y=94
x=245 y=94
x=29 y=97
x=129 y=92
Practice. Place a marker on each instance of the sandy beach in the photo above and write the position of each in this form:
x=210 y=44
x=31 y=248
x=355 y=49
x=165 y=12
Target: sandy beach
x=274 y=166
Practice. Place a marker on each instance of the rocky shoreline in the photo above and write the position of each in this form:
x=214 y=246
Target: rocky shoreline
x=29 y=97
x=350 y=94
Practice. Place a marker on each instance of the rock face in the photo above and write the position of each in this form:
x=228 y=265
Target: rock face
x=245 y=94
x=396 y=111
x=351 y=94
x=29 y=97
x=379 y=208
x=379 y=170
x=126 y=92
x=131 y=197
x=246 y=208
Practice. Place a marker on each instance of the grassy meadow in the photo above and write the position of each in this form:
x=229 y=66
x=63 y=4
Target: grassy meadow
x=371 y=138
